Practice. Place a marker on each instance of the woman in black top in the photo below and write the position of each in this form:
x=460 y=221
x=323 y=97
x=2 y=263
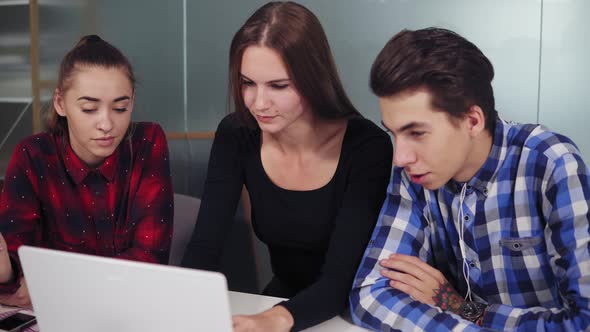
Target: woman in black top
x=315 y=169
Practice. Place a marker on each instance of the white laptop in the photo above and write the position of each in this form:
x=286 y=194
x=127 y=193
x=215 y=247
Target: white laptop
x=76 y=292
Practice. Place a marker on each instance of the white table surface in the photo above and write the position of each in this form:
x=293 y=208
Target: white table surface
x=247 y=304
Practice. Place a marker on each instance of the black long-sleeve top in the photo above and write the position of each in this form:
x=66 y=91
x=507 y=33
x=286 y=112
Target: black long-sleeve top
x=316 y=238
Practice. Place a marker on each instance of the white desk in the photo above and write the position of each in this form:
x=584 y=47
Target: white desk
x=247 y=304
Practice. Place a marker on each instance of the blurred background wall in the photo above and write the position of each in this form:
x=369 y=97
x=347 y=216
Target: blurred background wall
x=179 y=49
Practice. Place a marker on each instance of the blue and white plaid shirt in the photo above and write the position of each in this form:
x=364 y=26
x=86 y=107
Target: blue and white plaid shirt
x=526 y=228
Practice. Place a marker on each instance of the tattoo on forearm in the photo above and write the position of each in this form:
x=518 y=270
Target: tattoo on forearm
x=446 y=298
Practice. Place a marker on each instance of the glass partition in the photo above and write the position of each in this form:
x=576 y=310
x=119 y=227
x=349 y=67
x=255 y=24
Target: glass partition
x=565 y=71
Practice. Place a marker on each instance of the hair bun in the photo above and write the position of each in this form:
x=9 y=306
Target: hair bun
x=89 y=39
x=92 y=39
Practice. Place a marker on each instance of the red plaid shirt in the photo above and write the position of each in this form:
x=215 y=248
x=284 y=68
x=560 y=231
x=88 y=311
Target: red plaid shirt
x=123 y=208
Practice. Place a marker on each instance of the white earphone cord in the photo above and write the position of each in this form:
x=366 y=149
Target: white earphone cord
x=461 y=230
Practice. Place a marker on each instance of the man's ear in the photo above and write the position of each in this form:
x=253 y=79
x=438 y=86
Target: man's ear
x=476 y=120
x=58 y=102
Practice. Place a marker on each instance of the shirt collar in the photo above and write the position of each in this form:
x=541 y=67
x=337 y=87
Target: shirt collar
x=79 y=170
x=487 y=173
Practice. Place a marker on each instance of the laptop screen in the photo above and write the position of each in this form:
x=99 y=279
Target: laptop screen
x=75 y=292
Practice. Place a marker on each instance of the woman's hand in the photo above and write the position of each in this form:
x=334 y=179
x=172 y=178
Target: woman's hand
x=276 y=319
x=20 y=298
x=5 y=266
x=421 y=281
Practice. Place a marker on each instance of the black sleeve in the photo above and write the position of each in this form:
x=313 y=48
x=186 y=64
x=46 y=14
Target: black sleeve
x=364 y=194
x=223 y=186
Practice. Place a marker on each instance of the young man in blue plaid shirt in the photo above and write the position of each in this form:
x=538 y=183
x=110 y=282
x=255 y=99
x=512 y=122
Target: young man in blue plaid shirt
x=486 y=222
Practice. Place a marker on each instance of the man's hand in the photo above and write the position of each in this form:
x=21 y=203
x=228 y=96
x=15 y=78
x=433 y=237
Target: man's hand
x=276 y=319
x=421 y=282
x=20 y=298
x=5 y=266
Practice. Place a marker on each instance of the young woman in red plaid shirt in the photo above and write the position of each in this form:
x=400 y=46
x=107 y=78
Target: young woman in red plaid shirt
x=95 y=182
